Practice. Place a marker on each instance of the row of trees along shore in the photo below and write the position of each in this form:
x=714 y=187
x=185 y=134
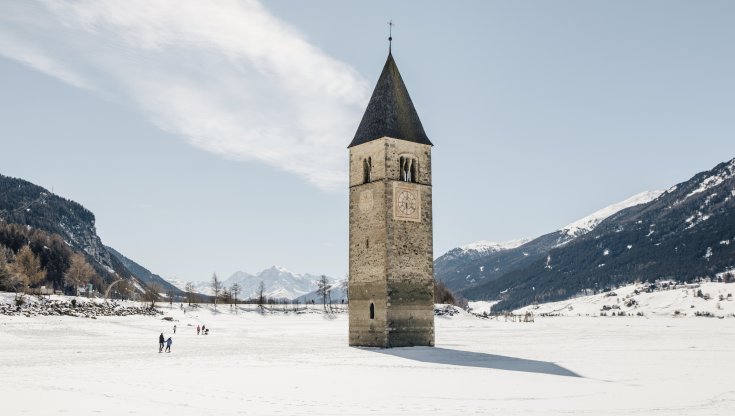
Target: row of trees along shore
x=231 y=295
x=24 y=272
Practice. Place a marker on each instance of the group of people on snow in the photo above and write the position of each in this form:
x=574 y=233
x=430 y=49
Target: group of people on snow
x=162 y=341
x=164 y=344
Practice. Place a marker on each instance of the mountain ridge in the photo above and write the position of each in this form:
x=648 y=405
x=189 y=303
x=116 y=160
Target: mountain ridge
x=686 y=233
x=462 y=268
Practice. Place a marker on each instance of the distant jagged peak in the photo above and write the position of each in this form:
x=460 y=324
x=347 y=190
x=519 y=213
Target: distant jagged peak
x=485 y=246
x=278 y=269
x=588 y=223
x=240 y=274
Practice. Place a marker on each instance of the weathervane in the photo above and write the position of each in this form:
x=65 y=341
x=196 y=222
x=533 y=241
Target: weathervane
x=390 y=34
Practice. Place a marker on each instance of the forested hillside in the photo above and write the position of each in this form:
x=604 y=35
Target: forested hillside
x=60 y=235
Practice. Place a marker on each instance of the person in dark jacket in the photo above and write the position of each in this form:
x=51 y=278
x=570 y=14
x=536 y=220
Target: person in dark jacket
x=168 y=344
x=160 y=342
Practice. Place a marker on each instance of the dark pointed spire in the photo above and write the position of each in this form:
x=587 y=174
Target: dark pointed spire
x=390 y=35
x=390 y=111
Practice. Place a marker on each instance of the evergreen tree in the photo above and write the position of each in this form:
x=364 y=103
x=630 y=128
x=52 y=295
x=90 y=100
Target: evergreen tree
x=5 y=274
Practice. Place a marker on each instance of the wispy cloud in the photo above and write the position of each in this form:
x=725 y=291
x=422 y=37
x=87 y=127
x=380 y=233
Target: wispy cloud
x=228 y=76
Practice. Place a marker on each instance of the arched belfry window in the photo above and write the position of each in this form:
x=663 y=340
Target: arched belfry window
x=408 y=169
x=367 y=167
x=372 y=311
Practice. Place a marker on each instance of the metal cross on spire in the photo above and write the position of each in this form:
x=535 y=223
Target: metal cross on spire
x=390 y=34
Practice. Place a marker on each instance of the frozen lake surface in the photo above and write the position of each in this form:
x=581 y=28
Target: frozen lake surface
x=301 y=365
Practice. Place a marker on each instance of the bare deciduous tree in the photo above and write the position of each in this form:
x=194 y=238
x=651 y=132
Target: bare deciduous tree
x=261 y=294
x=171 y=293
x=324 y=289
x=125 y=289
x=235 y=289
x=216 y=286
x=152 y=295
x=189 y=289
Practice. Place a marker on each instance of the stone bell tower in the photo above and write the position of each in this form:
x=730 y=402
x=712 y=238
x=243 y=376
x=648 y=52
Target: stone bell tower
x=391 y=286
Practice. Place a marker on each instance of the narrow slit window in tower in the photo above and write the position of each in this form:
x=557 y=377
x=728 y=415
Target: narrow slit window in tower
x=367 y=165
x=372 y=311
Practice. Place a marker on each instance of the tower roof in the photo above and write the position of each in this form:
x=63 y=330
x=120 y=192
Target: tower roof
x=390 y=111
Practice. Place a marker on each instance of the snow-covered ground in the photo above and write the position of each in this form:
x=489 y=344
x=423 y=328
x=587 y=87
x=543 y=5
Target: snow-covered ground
x=301 y=365
x=481 y=306
x=717 y=299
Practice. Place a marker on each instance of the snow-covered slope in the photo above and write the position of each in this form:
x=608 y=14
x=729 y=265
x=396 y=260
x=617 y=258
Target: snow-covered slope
x=715 y=299
x=588 y=223
x=481 y=247
x=477 y=263
x=713 y=180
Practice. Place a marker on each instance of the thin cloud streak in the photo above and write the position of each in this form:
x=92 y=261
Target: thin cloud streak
x=228 y=76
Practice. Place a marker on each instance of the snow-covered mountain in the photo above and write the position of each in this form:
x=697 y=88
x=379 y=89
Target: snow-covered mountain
x=684 y=234
x=480 y=262
x=338 y=294
x=279 y=283
x=588 y=223
x=483 y=247
x=199 y=287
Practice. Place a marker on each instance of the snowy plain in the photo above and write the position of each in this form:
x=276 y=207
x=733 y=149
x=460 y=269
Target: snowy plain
x=717 y=299
x=267 y=364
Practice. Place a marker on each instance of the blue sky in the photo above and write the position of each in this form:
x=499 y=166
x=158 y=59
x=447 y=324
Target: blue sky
x=212 y=136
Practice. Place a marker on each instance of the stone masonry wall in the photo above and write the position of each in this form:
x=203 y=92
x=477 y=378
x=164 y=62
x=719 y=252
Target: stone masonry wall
x=391 y=261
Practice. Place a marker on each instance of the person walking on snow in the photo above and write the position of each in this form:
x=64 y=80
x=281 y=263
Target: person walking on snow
x=174 y=329
x=160 y=342
x=198 y=329
x=168 y=344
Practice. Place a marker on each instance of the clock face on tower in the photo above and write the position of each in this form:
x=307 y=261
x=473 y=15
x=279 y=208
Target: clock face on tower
x=406 y=203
